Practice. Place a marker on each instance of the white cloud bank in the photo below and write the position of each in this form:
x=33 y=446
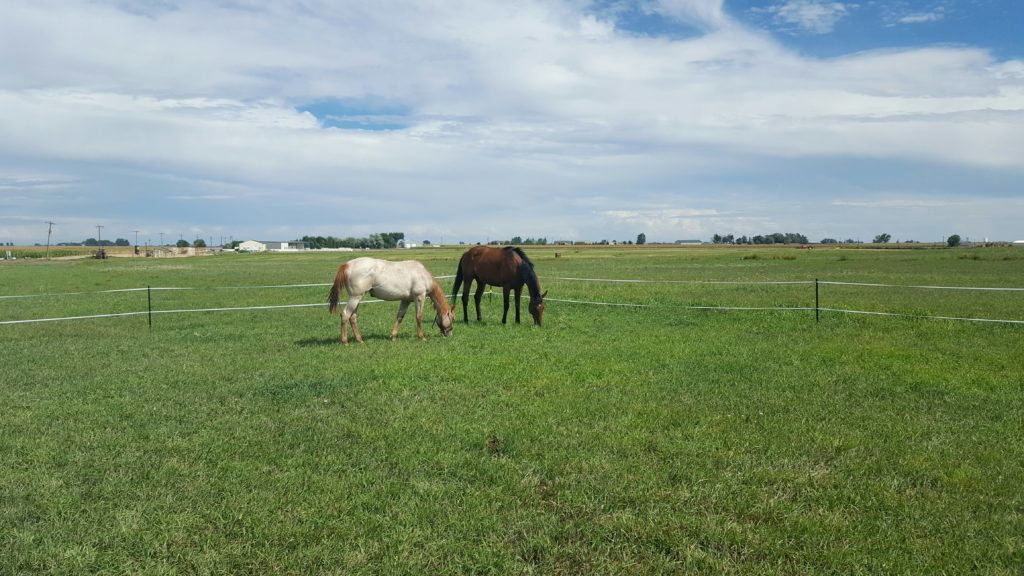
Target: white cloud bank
x=522 y=118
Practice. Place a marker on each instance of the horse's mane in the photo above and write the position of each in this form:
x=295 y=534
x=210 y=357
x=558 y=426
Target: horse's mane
x=521 y=254
x=526 y=273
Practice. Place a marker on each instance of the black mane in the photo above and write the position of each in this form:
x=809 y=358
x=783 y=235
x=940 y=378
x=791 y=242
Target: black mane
x=526 y=273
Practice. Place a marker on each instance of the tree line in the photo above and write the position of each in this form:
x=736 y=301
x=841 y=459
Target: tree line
x=380 y=240
x=519 y=240
x=94 y=242
x=793 y=238
x=776 y=238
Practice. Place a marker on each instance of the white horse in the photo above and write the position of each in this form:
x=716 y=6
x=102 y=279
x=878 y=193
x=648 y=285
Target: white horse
x=408 y=281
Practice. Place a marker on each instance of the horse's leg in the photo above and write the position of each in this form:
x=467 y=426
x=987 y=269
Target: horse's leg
x=398 y=319
x=465 y=300
x=419 y=316
x=519 y=297
x=504 y=315
x=480 y=287
x=355 y=329
x=353 y=304
x=349 y=315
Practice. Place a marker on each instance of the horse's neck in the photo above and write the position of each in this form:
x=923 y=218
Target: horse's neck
x=529 y=277
x=438 y=298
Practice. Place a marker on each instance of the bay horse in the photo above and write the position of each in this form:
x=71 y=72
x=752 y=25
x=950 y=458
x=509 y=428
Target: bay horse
x=407 y=281
x=507 y=267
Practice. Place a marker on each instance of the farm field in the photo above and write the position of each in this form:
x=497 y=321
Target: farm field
x=648 y=439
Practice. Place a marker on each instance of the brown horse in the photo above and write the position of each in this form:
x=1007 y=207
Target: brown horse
x=507 y=267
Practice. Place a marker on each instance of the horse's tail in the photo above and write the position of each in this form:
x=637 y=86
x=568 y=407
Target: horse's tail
x=340 y=279
x=458 y=281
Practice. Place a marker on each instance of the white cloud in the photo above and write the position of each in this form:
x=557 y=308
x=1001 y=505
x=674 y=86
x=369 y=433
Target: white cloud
x=897 y=13
x=921 y=18
x=813 y=16
x=703 y=13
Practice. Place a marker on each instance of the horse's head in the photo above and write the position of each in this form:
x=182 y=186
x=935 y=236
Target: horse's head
x=445 y=321
x=537 y=308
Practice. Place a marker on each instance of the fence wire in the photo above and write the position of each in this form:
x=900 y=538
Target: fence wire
x=818 y=309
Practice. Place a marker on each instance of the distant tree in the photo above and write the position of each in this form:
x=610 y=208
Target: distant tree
x=829 y=241
x=516 y=240
x=90 y=242
x=728 y=239
x=641 y=238
x=390 y=239
x=182 y=244
x=122 y=242
x=199 y=243
x=882 y=238
x=953 y=241
x=716 y=239
x=426 y=242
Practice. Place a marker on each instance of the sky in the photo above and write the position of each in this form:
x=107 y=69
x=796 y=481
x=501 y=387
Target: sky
x=480 y=120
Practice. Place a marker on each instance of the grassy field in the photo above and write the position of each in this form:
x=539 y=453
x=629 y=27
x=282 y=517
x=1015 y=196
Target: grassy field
x=614 y=440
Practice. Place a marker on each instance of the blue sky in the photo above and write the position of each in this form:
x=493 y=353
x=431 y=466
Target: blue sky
x=477 y=120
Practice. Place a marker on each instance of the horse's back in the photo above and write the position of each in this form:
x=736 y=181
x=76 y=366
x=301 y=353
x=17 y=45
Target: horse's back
x=389 y=280
x=490 y=265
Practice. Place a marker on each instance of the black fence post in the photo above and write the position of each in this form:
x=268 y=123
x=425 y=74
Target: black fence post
x=149 y=305
x=817 y=308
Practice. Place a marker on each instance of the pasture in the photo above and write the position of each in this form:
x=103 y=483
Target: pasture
x=613 y=440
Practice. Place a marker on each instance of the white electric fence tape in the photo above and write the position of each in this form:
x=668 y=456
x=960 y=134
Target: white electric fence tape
x=567 y=301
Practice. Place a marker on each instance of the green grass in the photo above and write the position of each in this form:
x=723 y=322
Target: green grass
x=610 y=441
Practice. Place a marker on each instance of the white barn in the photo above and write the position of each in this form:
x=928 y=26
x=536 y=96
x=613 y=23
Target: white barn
x=265 y=246
x=252 y=246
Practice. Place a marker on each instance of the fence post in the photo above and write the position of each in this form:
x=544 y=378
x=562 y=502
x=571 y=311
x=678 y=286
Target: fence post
x=149 y=305
x=817 y=309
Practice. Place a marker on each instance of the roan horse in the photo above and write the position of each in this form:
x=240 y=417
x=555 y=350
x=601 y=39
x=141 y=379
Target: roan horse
x=408 y=281
x=507 y=267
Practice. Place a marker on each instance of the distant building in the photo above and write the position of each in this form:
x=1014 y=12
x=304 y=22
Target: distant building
x=1018 y=243
x=403 y=243
x=285 y=246
x=265 y=246
x=689 y=242
x=252 y=246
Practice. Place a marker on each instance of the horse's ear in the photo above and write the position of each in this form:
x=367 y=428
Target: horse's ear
x=544 y=295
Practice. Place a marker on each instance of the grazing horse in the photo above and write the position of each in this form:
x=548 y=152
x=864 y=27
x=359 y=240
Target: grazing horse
x=507 y=267
x=407 y=281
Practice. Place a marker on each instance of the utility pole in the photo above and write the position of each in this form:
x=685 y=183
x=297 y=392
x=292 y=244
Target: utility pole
x=136 y=242
x=49 y=230
x=161 y=239
x=99 y=242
